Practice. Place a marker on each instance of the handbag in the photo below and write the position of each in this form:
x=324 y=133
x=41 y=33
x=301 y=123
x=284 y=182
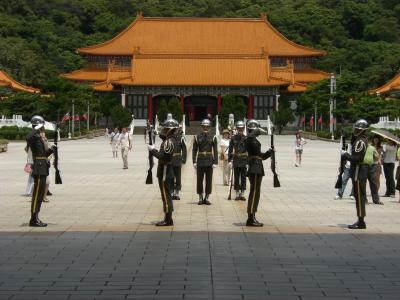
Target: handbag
x=28 y=168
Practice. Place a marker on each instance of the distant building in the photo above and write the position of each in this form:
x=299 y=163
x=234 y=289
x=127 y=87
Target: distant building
x=199 y=60
x=392 y=86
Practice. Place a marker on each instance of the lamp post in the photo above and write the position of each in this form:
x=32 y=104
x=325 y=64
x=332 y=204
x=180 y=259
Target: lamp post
x=73 y=118
x=332 y=86
x=88 y=116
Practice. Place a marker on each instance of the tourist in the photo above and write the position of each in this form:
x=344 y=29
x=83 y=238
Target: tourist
x=358 y=170
x=374 y=169
x=224 y=144
x=205 y=159
x=28 y=169
x=256 y=170
x=299 y=142
x=389 y=160
x=164 y=169
x=125 y=142
x=178 y=158
x=106 y=133
x=40 y=168
x=377 y=143
x=46 y=147
x=345 y=179
x=239 y=160
x=113 y=142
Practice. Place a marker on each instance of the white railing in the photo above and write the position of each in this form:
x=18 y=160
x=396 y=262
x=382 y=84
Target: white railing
x=385 y=123
x=15 y=121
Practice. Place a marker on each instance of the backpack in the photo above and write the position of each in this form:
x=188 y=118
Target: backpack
x=369 y=155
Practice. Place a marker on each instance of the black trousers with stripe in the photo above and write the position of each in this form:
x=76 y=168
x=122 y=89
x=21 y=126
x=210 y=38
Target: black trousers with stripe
x=165 y=189
x=254 y=195
x=240 y=178
x=360 y=190
x=38 y=192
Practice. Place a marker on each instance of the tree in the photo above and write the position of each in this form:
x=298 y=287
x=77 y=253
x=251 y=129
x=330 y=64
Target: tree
x=231 y=105
x=162 y=110
x=107 y=103
x=283 y=116
x=174 y=107
x=120 y=116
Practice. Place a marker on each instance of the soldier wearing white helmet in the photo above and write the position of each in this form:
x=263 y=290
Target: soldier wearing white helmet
x=165 y=172
x=40 y=168
x=255 y=171
x=238 y=159
x=205 y=159
x=358 y=170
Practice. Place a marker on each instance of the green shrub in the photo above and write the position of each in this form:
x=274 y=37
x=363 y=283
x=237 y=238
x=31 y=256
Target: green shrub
x=3 y=142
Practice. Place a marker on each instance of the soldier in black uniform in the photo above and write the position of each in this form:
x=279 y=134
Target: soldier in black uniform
x=358 y=170
x=205 y=159
x=256 y=170
x=165 y=173
x=40 y=168
x=239 y=159
x=179 y=158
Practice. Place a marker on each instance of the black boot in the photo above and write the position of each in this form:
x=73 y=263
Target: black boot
x=35 y=222
x=177 y=195
x=205 y=201
x=237 y=195
x=242 y=197
x=200 y=199
x=251 y=221
x=167 y=220
x=360 y=224
x=49 y=193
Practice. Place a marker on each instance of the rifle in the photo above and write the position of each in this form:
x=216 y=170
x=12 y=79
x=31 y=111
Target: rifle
x=149 y=178
x=273 y=162
x=342 y=165
x=230 y=185
x=58 y=179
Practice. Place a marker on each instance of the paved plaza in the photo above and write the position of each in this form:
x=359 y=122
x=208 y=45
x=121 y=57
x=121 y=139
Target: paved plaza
x=101 y=242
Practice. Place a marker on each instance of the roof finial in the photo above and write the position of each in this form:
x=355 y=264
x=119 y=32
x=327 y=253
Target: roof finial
x=263 y=16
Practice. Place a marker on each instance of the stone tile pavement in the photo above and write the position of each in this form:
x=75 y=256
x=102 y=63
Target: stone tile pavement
x=101 y=242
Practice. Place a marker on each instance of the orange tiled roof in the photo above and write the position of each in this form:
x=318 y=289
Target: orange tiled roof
x=310 y=75
x=195 y=71
x=86 y=75
x=393 y=84
x=200 y=36
x=7 y=81
x=103 y=86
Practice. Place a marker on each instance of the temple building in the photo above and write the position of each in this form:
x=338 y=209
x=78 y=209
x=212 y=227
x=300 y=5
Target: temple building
x=199 y=60
x=391 y=87
x=6 y=81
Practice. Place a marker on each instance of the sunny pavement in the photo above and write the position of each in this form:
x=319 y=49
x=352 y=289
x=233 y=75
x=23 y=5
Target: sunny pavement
x=101 y=242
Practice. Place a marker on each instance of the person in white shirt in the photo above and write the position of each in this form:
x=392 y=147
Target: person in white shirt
x=224 y=156
x=125 y=142
x=389 y=160
x=113 y=142
x=298 y=148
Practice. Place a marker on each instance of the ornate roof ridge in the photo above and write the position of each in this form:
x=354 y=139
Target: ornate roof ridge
x=387 y=86
x=12 y=83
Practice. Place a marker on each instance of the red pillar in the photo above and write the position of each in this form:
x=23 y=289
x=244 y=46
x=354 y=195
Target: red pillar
x=219 y=103
x=150 y=108
x=183 y=104
x=126 y=100
x=250 y=107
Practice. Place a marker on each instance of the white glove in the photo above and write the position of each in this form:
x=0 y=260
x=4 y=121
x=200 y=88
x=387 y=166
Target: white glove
x=195 y=165
x=342 y=152
x=230 y=165
x=214 y=166
x=151 y=147
x=38 y=126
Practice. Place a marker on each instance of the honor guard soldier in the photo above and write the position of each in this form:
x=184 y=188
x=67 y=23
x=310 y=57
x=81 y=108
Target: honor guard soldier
x=255 y=171
x=178 y=158
x=165 y=173
x=358 y=170
x=205 y=159
x=239 y=159
x=40 y=168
